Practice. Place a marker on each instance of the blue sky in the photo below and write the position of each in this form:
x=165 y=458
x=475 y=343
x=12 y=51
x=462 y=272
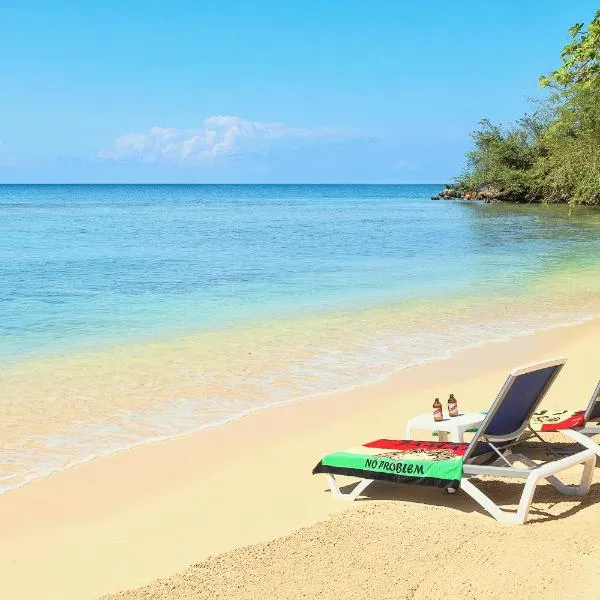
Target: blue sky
x=236 y=91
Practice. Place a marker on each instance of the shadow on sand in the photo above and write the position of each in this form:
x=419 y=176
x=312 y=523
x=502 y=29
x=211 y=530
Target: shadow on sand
x=505 y=493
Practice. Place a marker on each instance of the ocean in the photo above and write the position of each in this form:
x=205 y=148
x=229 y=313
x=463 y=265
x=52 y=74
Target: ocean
x=131 y=313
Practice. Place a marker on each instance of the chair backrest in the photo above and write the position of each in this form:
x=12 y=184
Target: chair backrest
x=592 y=411
x=518 y=399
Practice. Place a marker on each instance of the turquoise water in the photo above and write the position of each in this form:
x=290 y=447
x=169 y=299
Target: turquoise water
x=135 y=313
x=83 y=265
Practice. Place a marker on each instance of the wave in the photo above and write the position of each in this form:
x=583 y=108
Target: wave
x=347 y=361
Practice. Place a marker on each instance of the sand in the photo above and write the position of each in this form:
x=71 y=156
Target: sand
x=390 y=549
x=240 y=504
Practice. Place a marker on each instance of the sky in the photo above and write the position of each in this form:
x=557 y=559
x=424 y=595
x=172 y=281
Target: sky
x=231 y=91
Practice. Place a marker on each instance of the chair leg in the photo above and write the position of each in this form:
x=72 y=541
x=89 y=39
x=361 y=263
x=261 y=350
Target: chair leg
x=350 y=496
x=507 y=517
x=488 y=504
x=580 y=489
x=587 y=458
x=582 y=439
x=587 y=476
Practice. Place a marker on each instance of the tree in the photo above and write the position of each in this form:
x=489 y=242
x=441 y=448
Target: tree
x=571 y=169
x=552 y=155
x=580 y=58
x=504 y=158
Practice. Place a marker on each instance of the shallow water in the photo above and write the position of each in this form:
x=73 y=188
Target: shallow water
x=130 y=313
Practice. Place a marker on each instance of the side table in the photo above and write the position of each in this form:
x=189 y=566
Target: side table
x=450 y=427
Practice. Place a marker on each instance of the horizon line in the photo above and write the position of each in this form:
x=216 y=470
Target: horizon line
x=213 y=183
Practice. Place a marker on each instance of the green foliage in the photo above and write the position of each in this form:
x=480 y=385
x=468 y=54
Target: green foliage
x=504 y=158
x=552 y=155
x=580 y=58
x=570 y=168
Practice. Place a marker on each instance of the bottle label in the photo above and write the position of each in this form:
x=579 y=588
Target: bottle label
x=437 y=414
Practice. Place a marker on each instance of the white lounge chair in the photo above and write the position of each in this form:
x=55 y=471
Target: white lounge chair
x=579 y=425
x=494 y=450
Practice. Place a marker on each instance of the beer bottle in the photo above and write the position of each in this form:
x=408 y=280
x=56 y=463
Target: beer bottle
x=452 y=406
x=437 y=410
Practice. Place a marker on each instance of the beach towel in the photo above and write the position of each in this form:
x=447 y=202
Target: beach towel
x=555 y=420
x=437 y=464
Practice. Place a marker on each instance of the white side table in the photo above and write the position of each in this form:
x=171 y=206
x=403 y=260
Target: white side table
x=453 y=427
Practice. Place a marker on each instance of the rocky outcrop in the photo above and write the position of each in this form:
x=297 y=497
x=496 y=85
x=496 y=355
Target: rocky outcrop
x=449 y=192
x=488 y=192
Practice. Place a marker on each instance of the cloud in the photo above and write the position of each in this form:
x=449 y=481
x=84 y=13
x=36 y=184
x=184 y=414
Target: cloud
x=404 y=165
x=220 y=139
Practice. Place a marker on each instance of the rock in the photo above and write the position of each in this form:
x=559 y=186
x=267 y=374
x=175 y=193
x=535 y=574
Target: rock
x=449 y=192
x=491 y=191
x=488 y=192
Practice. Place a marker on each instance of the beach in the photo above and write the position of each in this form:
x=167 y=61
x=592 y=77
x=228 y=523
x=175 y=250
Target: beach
x=135 y=314
x=238 y=502
x=246 y=252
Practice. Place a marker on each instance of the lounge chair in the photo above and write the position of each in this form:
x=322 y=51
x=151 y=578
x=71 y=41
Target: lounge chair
x=579 y=425
x=493 y=451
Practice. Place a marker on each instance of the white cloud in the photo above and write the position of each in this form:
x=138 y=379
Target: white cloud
x=220 y=138
x=404 y=165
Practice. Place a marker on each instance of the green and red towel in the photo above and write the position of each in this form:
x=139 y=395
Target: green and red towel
x=437 y=464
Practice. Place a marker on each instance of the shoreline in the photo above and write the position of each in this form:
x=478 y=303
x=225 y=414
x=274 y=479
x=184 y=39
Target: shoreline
x=152 y=510
x=379 y=378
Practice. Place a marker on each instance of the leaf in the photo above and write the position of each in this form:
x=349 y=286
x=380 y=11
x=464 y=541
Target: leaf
x=575 y=29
